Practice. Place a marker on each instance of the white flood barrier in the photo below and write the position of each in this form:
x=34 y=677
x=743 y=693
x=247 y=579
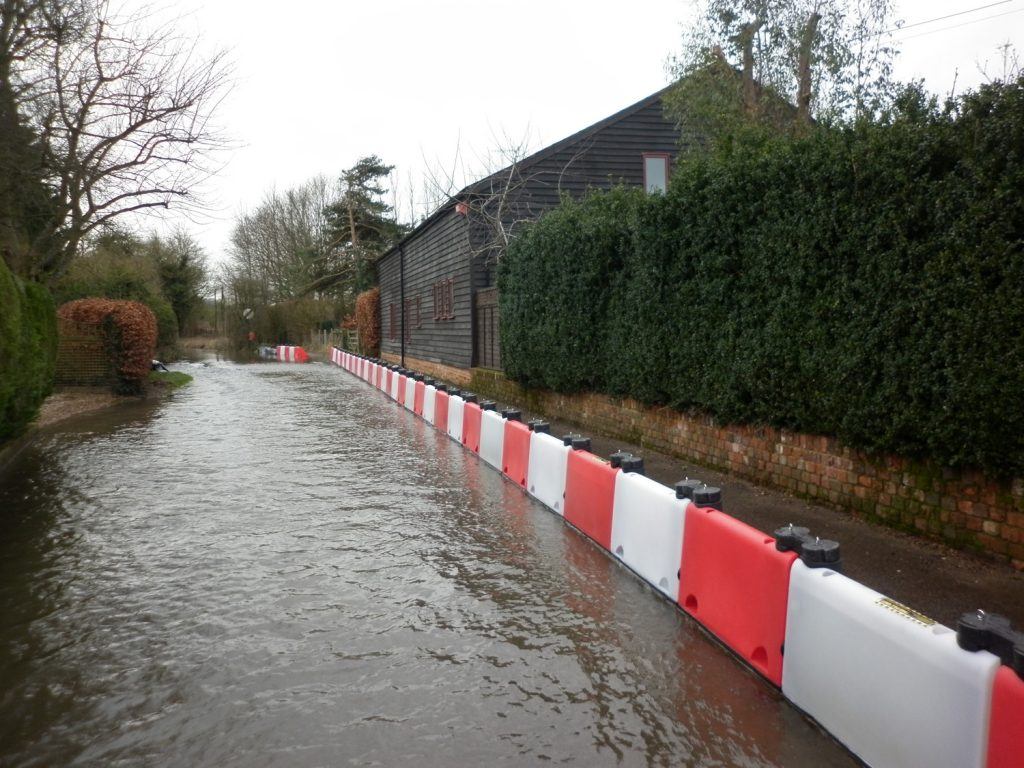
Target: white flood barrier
x=429 y=399
x=394 y=385
x=410 y=392
x=455 y=408
x=545 y=476
x=492 y=438
x=889 y=683
x=647 y=530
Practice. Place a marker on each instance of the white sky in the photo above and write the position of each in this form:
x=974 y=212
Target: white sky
x=320 y=84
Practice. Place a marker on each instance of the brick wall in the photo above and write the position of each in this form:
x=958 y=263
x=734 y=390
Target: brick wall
x=961 y=507
x=81 y=355
x=460 y=376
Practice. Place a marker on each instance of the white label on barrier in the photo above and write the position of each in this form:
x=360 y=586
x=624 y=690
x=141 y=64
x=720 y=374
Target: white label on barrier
x=410 y=392
x=455 y=408
x=429 y=398
x=492 y=438
x=897 y=691
x=647 y=530
x=545 y=478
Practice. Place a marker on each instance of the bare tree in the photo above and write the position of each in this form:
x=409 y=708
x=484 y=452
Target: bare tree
x=1008 y=68
x=832 y=59
x=123 y=113
x=504 y=197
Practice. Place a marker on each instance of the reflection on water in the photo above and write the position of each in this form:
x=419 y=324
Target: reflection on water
x=277 y=566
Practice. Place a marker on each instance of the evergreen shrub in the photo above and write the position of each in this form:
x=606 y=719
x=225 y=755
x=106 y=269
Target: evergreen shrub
x=28 y=351
x=865 y=282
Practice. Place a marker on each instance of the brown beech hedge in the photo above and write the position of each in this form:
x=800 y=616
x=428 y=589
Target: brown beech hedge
x=130 y=329
x=368 y=321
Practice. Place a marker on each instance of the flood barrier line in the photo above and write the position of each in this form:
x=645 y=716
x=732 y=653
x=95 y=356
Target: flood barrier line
x=287 y=353
x=893 y=686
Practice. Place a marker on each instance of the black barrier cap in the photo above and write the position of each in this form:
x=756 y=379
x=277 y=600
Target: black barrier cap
x=569 y=437
x=821 y=553
x=686 y=487
x=633 y=464
x=540 y=427
x=1003 y=640
x=790 y=538
x=469 y=397
x=581 y=443
x=418 y=376
x=430 y=382
x=981 y=631
x=512 y=414
x=1018 y=656
x=454 y=392
x=616 y=458
x=707 y=496
x=487 y=405
x=441 y=388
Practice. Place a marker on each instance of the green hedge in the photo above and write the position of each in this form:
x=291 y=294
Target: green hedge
x=866 y=283
x=28 y=351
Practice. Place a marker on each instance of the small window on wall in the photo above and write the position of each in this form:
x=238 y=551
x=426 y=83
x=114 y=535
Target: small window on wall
x=655 y=171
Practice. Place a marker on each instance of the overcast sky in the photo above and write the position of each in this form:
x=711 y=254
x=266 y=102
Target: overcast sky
x=320 y=84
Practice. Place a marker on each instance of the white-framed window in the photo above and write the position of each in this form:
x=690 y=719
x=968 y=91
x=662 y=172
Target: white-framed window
x=655 y=171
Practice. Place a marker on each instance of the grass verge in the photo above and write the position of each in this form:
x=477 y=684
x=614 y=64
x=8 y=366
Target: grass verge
x=171 y=379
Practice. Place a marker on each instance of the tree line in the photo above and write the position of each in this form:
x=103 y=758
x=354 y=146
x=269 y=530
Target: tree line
x=300 y=257
x=104 y=115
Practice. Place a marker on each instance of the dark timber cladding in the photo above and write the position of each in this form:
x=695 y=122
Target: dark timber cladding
x=438 y=293
x=449 y=268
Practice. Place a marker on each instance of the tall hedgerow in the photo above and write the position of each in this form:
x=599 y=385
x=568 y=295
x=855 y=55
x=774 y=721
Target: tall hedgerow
x=864 y=282
x=28 y=351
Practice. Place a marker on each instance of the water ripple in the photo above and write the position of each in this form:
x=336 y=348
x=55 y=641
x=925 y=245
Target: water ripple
x=279 y=567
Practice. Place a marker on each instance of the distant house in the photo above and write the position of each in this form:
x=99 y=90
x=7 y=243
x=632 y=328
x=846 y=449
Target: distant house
x=438 y=302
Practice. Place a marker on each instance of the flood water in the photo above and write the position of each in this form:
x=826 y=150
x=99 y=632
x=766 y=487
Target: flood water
x=279 y=567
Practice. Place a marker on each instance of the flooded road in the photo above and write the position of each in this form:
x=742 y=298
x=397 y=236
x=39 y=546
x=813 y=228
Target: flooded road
x=279 y=567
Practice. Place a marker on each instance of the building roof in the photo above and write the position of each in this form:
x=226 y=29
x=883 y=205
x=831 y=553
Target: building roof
x=527 y=162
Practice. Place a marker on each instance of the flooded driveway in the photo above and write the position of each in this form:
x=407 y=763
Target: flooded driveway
x=278 y=567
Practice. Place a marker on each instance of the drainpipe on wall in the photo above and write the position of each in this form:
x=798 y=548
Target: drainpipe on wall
x=401 y=293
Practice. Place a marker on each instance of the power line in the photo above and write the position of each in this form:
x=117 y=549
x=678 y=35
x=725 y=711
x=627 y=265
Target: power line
x=948 y=16
x=962 y=24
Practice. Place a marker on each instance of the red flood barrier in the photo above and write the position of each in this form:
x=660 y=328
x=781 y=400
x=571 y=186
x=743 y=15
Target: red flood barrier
x=471 y=417
x=441 y=410
x=1006 y=726
x=736 y=583
x=417 y=400
x=400 y=393
x=590 y=495
x=516 y=455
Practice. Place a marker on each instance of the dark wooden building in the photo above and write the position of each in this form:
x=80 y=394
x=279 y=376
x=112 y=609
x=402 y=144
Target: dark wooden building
x=438 y=302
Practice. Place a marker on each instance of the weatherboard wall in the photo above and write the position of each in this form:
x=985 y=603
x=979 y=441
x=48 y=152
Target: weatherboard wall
x=437 y=253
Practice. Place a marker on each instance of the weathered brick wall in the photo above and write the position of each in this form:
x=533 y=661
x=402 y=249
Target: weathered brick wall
x=81 y=355
x=460 y=376
x=963 y=508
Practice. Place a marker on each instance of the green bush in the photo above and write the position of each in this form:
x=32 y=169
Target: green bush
x=28 y=351
x=865 y=282
x=118 y=266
